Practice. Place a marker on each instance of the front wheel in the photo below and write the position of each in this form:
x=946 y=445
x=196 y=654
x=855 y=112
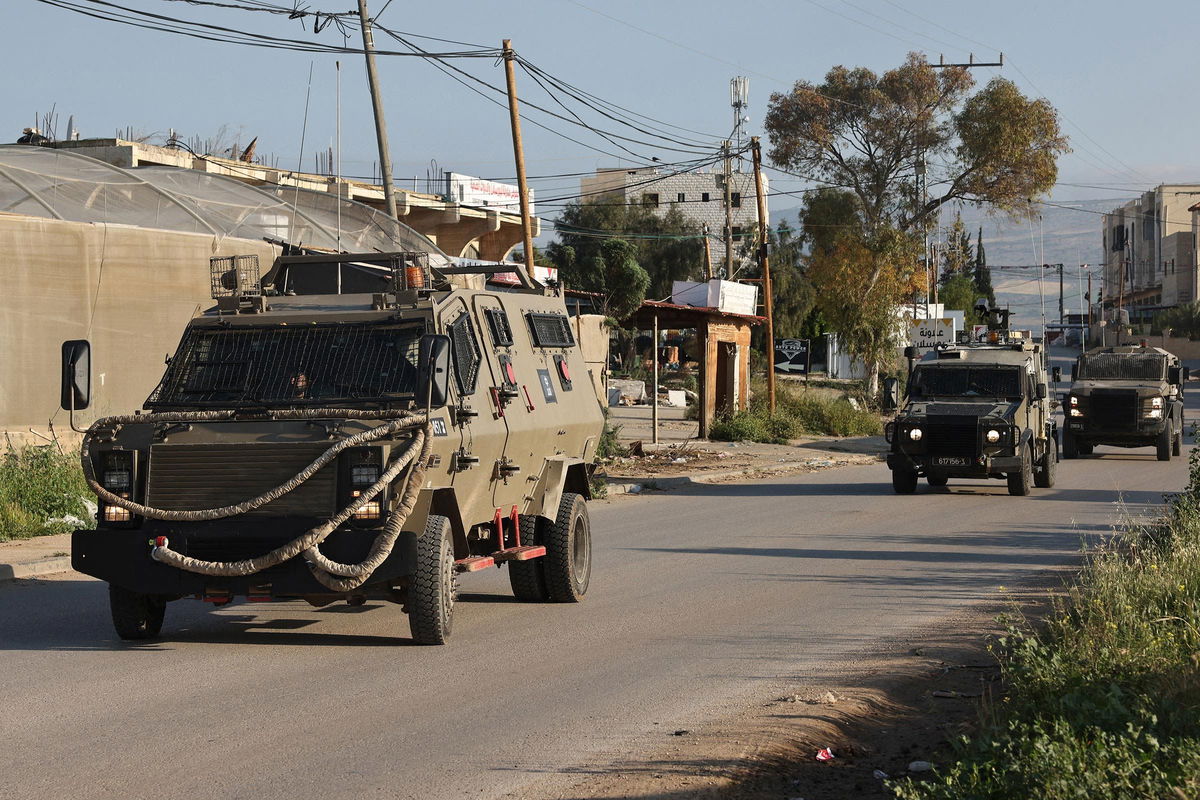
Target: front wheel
x=1044 y=477
x=1163 y=444
x=1021 y=482
x=568 y=559
x=432 y=586
x=136 y=615
x=1177 y=443
x=937 y=479
x=528 y=578
x=904 y=481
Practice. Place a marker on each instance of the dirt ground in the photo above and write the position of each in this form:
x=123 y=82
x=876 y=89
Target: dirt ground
x=906 y=702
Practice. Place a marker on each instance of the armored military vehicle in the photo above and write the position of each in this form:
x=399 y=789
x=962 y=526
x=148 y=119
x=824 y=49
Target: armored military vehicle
x=347 y=427
x=1127 y=397
x=976 y=410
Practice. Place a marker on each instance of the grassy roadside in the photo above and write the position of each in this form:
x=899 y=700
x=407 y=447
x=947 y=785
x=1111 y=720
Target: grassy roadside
x=798 y=412
x=39 y=488
x=1102 y=696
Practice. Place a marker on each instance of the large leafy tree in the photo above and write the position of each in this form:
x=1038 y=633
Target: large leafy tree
x=871 y=134
x=668 y=246
x=612 y=271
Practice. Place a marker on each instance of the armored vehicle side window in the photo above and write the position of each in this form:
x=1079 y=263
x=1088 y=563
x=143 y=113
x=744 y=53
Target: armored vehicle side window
x=501 y=331
x=290 y=365
x=1120 y=367
x=550 y=330
x=946 y=381
x=466 y=353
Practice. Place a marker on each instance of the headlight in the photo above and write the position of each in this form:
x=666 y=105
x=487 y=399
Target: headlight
x=915 y=434
x=992 y=436
x=1154 y=413
x=116 y=475
x=1075 y=412
x=1156 y=402
x=362 y=477
x=1074 y=401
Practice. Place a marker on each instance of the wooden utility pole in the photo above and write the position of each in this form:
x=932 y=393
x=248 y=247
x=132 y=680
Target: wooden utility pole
x=708 y=273
x=522 y=186
x=765 y=267
x=728 y=213
x=385 y=159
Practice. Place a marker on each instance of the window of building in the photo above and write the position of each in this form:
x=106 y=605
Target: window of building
x=737 y=232
x=704 y=197
x=651 y=200
x=735 y=199
x=679 y=198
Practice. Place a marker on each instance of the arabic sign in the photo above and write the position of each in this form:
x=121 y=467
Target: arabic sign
x=931 y=332
x=481 y=192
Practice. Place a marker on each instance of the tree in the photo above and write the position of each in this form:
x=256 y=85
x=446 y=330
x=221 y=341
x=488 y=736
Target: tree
x=667 y=246
x=613 y=272
x=957 y=255
x=983 y=275
x=959 y=294
x=869 y=133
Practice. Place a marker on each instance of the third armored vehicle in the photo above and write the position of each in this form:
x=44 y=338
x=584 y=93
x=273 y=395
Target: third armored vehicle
x=1127 y=397
x=976 y=410
x=347 y=427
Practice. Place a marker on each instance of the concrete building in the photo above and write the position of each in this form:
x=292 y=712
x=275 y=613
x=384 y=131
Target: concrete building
x=457 y=228
x=697 y=195
x=1150 y=252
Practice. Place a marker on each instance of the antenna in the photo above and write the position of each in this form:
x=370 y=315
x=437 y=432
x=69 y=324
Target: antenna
x=739 y=98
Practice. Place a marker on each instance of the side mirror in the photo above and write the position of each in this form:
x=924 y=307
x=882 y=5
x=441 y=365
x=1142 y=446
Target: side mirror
x=1056 y=374
x=433 y=375
x=912 y=352
x=1042 y=391
x=76 y=393
x=1175 y=375
x=1187 y=374
x=891 y=394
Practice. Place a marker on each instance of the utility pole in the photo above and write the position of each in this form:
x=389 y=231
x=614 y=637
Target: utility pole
x=765 y=267
x=728 y=213
x=526 y=275
x=1062 y=320
x=385 y=159
x=708 y=273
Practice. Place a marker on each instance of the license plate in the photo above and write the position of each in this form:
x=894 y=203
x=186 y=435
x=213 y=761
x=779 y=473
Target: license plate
x=951 y=461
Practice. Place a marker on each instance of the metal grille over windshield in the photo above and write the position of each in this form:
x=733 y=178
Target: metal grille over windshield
x=290 y=366
x=1118 y=367
x=966 y=382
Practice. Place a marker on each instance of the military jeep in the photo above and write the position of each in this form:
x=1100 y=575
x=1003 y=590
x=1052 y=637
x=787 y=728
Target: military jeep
x=976 y=410
x=1125 y=397
x=347 y=427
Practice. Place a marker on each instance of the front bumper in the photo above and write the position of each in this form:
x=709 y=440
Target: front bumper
x=983 y=466
x=1145 y=433
x=122 y=557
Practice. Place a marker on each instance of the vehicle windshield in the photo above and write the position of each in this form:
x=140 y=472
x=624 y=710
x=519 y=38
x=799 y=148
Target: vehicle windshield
x=290 y=365
x=1121 y=367
x=965 y=381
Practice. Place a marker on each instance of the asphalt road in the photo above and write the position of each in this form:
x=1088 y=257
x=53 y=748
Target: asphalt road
x=701 y=603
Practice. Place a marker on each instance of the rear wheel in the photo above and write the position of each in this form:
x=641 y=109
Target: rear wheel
x=1177 y=443
x=904 y=481
x=431 y=591
x=1044 y=477
x=1163 y=443
x=528 y=578
x=568 y=559
x=1021 y=482
x=1086 y=448
x=136 y=615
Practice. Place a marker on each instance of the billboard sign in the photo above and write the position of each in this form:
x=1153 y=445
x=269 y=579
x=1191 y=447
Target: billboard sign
x=793 y=356
x=931 y=332
x=480 y=192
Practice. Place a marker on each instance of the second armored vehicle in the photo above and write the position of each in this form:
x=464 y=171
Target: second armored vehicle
x=976 y=411
x=1126 y=397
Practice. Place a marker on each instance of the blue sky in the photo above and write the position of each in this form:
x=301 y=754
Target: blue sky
x=1121 y=76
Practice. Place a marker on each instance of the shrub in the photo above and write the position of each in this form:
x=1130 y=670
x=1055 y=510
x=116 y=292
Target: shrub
x=796 y=414
x=38 y=484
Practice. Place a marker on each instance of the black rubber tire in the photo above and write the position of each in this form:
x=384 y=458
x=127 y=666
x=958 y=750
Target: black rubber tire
x=904 y=481
x=1163 y=443
x=431 y=590
x=1070 y=449
x=1086 y=448
x=1044 y=476
x=1021 y=483
x=568 y=559
x=528 y=578
x=937 y=479
x=1177 y=443
x=135 y=615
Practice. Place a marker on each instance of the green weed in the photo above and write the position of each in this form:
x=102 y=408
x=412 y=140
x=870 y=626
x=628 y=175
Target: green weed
x=38 y=484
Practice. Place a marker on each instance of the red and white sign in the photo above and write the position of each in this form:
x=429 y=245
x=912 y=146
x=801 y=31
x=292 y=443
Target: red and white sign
x=471 y=191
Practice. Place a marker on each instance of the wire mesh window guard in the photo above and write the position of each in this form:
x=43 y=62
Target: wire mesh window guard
x=966 y=382
x=1119 y=367
x=498 y=324
x=290 y=366
x=550 y=330
x=466 y=353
